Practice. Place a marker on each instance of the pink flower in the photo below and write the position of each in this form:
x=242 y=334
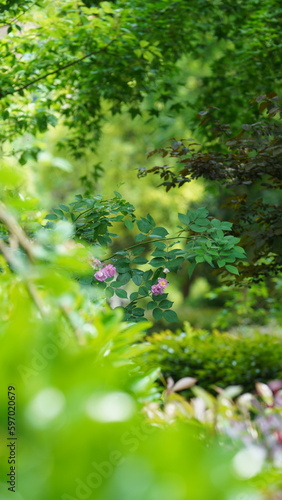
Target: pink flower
x=100 y=275
x=163 y=282
x=157 y=289
x=109 y=270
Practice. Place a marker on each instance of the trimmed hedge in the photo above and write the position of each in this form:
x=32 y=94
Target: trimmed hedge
x=217 y=358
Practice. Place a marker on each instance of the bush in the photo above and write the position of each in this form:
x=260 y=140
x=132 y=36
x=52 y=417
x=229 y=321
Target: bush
x=219 y=359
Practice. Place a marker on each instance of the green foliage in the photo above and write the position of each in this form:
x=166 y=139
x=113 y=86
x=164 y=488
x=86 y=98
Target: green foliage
x=92 y=217
x=249 y=166
x=75 y=58
x=74 y=370
x=217 y=359
x=255 y=304
x=199 y=239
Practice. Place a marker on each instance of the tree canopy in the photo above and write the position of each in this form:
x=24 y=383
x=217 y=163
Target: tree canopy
x=248 y=165
x=71 y=61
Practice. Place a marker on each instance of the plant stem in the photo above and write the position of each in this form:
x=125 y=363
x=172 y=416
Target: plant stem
x=55 y=71
x=146 y=243
x=138 y=298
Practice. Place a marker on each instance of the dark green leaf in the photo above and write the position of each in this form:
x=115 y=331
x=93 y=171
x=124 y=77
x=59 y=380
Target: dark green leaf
x=160 y=245
x=116 y=284
x=208 y=259
x=137 y=279
x=140 y=237
x=165 y=304
x=138 y=250
x=191 y=268
x=129 y=224
x=51 y=217
x=158 y=314
x=140 y=260
x=124 y=278
x=159 y=232
x=121 y=293
x=184 y=219
x=170 y=316
x=109 y=292
x=138 y=311
x=144 y=225
x=197 y=229
x=157 y=262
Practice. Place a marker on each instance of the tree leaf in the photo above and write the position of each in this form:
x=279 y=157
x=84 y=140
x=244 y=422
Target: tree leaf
x=109 y=292
x=158 y=314
x=232 y=269
x=140 y=260
x=121 y=293
x=140 y=237
x=129 y=224
x=197 y=229
x=165 y=304
x=191 y=268
x=159 y=232
x=144 y=225
x=138 y=311
x=184 y=219
x=137 y=279
x=51 y=217
x=170 y=316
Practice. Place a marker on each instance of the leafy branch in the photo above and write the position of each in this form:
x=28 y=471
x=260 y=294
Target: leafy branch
x=54 y=72
x=147 y=242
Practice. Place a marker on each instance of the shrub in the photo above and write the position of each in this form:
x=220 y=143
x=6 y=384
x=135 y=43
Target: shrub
x=215 y=358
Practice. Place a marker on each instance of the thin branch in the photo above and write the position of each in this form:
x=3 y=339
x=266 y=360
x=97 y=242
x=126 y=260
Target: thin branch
x=78 y=334
x=61 y=68
x=82 y=213
x=149 y=241
x=15 y=230
x=17 y=17
x=138 y=298
x=13 y=262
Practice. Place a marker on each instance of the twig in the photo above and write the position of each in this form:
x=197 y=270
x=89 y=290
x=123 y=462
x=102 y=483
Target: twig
x=13 y=262
x=78 y=334
x=147 y=242
x=61 y=68
x=138 y=298
x=15 y=229
x=17 y=17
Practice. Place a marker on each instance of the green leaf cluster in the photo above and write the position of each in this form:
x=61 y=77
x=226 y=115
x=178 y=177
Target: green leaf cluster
x=200 y=239
x=217 y=359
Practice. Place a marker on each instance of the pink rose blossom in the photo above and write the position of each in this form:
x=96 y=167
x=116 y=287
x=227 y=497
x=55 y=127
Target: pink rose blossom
x=163 y=282
x=109 y=270
x=100 y=275
x=157 y=289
